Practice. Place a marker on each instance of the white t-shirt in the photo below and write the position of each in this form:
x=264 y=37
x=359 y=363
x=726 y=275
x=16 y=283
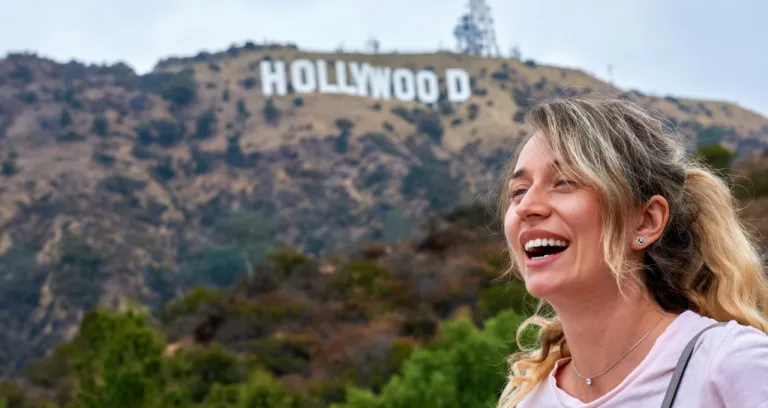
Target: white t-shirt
x=728 y=368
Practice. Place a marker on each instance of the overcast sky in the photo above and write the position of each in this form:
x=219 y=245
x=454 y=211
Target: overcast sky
x=709 y=49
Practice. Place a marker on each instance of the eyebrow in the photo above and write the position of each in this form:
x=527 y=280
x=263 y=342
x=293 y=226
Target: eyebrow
x=522 y=172
x=517 y=174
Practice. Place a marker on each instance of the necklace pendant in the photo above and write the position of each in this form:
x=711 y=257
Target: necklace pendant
x=589 y=381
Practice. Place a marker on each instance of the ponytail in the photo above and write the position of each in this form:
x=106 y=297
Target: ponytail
x=729 y=261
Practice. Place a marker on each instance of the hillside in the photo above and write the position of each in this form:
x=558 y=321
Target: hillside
x=117 y=186
x=314 y=326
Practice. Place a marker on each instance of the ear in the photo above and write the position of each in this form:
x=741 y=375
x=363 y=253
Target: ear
x=653 y=220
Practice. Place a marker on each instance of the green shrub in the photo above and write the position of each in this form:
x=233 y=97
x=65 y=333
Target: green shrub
x=11 y=395
x=169 y=132
x=100 y=126
x=709 y=136
x=715 y=156
x=430 y=124
x=28 y=97
x=249 y=82
x=466 y=368
x=122 y=185
x=163 y=171
x=262 y=390
x=201 y=369
x=9 y=167
x=66 y=118
x=119 y=361
x=362 y=278
x=286 y=260
x=234 y=154
x=499 y=297
x=382 y=142
x=755 y=185
x=252 y=232
x=70 y=136
x=435 y=181
x=193 y=301
x=341 y=145
x=472 y=111
x=404 y=113
x=79 y=271
x=271 y=112
x=144 y=134
x=282 y=356
x=344 y=124
x=219 y=266
x=500 y=75
x=205 y=124
x=180 y=89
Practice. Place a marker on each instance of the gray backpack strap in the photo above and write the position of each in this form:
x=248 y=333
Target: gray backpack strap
x=682 y=363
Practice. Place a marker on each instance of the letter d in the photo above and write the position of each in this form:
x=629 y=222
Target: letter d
x=457 y=85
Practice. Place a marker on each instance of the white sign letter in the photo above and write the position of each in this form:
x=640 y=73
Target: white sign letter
x=427 y=86
x=405 y=84
x=341 y=79
x=303 y=76
x=370 y=81
x=322 y=77
x=458 y=92
x=273 y=78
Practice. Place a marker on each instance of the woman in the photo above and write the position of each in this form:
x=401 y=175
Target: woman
x=636 y=249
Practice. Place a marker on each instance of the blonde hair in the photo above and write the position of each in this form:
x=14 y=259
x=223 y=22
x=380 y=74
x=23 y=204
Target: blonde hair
x=705 y=261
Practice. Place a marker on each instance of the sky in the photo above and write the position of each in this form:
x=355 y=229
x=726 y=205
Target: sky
x=709 y=49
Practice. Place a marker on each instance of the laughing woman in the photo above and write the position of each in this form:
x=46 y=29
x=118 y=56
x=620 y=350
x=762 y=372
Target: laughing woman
x=639 y=253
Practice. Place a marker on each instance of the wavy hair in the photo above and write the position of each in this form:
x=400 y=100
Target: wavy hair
x=704 y=261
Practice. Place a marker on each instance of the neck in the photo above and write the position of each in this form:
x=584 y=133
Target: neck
x=601 y=326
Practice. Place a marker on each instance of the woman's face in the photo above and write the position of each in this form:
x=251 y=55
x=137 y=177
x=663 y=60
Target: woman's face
x=554 y=227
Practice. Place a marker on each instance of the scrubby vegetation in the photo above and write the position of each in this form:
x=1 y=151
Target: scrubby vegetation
x=421 y=324
x=240 y=223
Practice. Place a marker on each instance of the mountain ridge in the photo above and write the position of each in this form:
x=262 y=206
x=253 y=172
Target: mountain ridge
x=116 y=185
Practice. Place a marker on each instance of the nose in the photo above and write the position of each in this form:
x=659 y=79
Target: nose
x=534 y=203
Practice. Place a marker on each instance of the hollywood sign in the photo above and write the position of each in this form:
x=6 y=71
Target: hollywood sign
x=363 y=80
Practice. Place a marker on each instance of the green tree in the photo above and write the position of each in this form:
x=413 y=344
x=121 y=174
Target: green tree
x=205 y=124
x=271 y=112
x=218 y=266
x=119 y=361
x=715 y=156
x=435 y=182
x=199 y=370
x=710 y=135
x=179 y=89
x=100 y=126
x=466 y=368
x=66 y=118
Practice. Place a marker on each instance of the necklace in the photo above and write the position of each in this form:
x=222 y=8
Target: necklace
x=588 y=380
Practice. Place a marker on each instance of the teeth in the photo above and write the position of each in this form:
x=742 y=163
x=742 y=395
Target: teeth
x=544 y=242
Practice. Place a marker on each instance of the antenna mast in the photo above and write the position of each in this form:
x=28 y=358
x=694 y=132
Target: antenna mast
x=475 y=34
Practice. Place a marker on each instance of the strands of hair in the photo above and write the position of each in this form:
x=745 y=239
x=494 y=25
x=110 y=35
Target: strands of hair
x=705 y=261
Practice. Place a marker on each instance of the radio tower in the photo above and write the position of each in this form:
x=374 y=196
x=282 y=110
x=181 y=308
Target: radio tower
x=475 y=34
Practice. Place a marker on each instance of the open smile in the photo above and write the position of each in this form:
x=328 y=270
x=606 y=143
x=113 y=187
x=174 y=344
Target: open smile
x=542 y=247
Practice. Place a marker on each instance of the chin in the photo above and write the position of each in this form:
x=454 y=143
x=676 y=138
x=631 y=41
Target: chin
x=543 y=287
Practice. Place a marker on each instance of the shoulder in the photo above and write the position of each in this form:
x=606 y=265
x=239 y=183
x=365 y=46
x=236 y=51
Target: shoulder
x=738 y=347
x=738 y=369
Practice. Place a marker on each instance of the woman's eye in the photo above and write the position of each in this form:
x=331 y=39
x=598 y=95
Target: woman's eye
x=516 y=192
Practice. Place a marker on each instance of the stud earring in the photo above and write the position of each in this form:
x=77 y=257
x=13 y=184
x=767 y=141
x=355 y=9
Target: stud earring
x=640 y=240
